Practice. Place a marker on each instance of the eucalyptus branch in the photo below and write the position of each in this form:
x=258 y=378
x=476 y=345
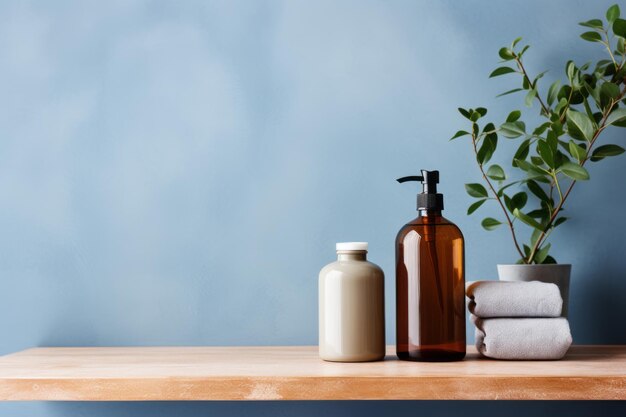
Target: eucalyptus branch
x=601 y=126
x=498 y=199
x=533 y=85
x=543 y=157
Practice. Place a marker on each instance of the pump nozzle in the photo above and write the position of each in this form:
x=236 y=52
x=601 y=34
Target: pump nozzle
x=428 y=199
x=410 y=178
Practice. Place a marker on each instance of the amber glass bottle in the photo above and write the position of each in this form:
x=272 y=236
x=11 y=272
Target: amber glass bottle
x=430 y=282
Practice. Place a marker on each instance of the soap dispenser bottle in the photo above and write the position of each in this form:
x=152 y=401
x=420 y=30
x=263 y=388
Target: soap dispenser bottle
x=430 y=281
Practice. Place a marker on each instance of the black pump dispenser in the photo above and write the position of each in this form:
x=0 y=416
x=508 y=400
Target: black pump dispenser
x=428 y=199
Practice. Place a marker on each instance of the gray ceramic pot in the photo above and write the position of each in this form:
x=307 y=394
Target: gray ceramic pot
x=558 y=274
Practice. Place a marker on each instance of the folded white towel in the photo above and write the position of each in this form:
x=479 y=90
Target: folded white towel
x=514 y=299
x=522 y=338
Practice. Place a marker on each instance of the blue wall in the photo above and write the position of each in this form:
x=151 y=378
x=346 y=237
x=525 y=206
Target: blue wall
x=176 y=173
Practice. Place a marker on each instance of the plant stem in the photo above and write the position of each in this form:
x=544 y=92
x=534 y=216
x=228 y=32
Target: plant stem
x=558 y=208
x=558 y=187
x=608 y=47
x=495 y=193
x=532 y=85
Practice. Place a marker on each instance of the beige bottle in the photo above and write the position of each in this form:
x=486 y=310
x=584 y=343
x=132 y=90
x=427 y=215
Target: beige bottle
x=351 y=307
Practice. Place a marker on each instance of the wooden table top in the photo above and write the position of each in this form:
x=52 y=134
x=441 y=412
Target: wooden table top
x=296 y=373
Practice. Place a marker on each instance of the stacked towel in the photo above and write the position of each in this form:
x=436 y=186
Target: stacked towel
x=514 y=299
x=518 y=320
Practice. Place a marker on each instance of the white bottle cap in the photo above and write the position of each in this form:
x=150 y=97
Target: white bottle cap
x=351 y=246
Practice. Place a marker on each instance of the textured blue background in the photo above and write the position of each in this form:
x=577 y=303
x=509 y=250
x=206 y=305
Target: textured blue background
x=176 y=173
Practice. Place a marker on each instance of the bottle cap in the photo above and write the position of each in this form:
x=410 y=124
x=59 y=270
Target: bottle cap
x=346 y=246
x=429 y=198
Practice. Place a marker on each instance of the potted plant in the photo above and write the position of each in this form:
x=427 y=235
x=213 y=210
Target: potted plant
x=553 y=155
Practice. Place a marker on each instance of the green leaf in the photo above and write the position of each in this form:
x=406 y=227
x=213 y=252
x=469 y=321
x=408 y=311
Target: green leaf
x=619 y=27
x=593 y=23
x=464 y=112
x=474 y=206
x=539 y=76
x=570 y=69
x=591 y=36
x=513 y=129
x=481 y=110
x=495 y=172
x=527 y=219
x=459 y=134
x=576 y=151
x=603 y=62
x=501 y=190
x=508 y=203
x=501 y=71
x=522 y=164
x=559 y=221
x=519 y=200
x=541 y=213
x=616 y=115
x=536 y=189
x=489 y=128
x=542 y=254
x=552 y=140
x=513 y=116
x=544 y=178
x=529 y=167
x=537 y=160
x=553 y=91
x=595 y=91
x=574 y=171
x=522 y=152
x=560 y=158
x=549 y=260
x=606 y=150
x=546 y=152
x=580 y=123
x=476 y=190
x=612 y=13
x=489 y=223
x=608 y=70
x=487 y=148
x=609 y=90
x=515 y=42
x=534 y=236
x=541 y=128
x=515 y=90
x=524 y=49
x=530 y=97
x=506 y=54
x=561 y=104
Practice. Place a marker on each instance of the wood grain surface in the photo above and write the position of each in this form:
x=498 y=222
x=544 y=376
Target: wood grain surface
x=296 y=373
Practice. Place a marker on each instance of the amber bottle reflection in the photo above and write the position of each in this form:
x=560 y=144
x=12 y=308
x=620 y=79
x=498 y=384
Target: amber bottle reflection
x=430 y=289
